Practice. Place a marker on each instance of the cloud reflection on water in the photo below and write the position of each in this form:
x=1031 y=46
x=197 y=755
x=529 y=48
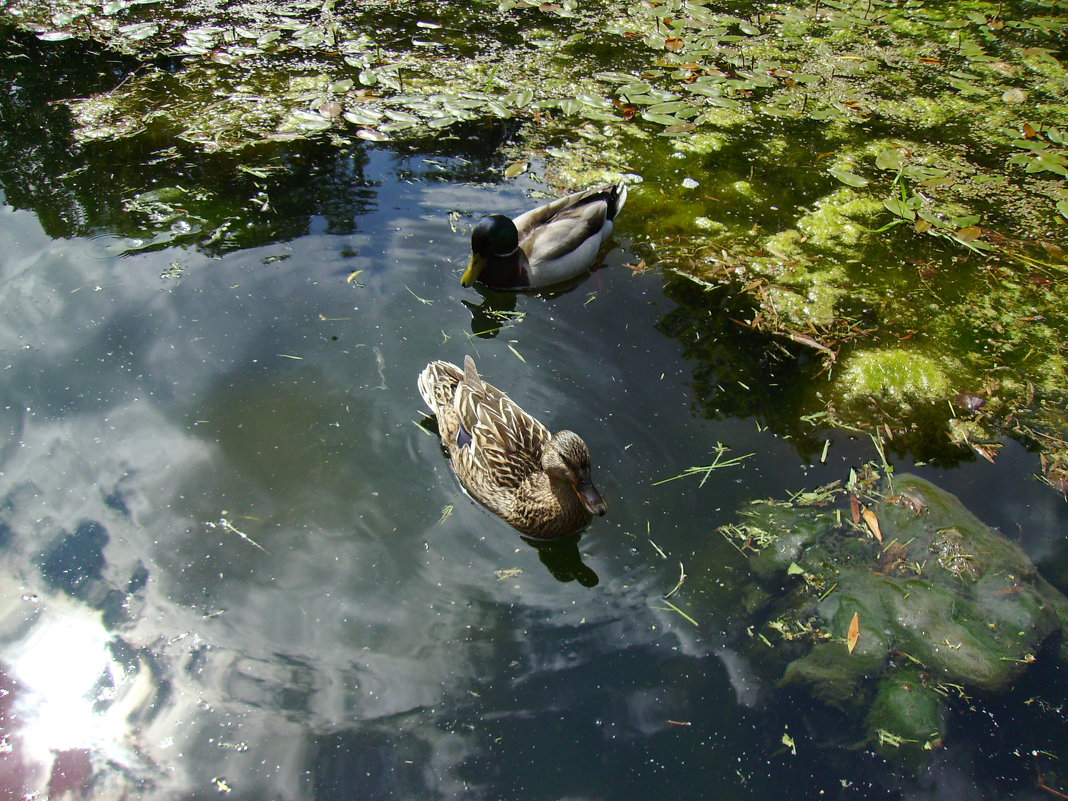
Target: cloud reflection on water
x=171 y=649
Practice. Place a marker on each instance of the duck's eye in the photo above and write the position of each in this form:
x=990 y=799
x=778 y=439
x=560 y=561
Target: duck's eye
x=559 y=472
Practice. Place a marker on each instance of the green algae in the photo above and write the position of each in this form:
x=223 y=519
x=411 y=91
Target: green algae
x=894 y=374
x=814 y=303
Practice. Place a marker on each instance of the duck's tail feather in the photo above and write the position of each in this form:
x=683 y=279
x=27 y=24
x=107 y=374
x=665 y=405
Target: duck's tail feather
x=617 y=196
x=437 y=384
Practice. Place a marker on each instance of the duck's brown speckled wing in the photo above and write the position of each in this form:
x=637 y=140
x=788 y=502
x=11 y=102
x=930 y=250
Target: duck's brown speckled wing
x=495 y=437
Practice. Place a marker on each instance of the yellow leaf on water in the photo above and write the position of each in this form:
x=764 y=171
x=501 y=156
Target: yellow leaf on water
x=854 y=632
x=873 y=524
x=515 y=169
x=788 y=741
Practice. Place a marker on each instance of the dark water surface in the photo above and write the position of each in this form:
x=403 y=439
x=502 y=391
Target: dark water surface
x=230 y=567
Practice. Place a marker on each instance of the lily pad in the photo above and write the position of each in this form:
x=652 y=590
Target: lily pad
x=140 y=30
x=848 y=178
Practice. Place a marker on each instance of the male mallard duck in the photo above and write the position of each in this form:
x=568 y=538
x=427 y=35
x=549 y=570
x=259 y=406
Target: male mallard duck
x=546 y=245
x=538 y=482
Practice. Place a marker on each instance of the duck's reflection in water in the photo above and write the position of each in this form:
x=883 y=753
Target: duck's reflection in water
x=493 y=314
x=562 y=559
x=497 y=311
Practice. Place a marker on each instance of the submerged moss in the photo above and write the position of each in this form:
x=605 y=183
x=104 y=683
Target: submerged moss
x=815 y=304
x=705 y=142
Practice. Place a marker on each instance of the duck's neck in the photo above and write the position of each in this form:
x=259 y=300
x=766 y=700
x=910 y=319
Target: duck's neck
x=549 y=509
x=508 y=272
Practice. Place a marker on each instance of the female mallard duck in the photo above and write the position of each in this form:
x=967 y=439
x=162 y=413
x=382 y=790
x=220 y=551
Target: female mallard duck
x=546 y=245
x=538 y=482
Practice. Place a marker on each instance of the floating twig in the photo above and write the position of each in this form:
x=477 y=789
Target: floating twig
x=424 y=301
x=226 y=525
x=676 y=609
x=682 y=578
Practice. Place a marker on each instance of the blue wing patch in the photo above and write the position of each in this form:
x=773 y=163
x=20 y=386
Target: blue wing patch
x=463 y=437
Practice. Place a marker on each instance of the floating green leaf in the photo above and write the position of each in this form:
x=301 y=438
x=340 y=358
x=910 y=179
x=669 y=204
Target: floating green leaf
x=522 y=98
x=362 y=116
x=309 y=121
x=674 y=107
x=848 y=178
x=724 y=102
x=900 y=208
x=372 y=135
x=441 y=122
x=593 y=100
x=601 y=116
x=661 y=119
x=890 y=159
x=614 y=77
x=140 y=30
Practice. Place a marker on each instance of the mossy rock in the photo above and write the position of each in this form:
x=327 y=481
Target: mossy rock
x=962 y=600
x=946 y=632
x=789 y=533
x=835 y=676
x=942 y=594
x=906 y=719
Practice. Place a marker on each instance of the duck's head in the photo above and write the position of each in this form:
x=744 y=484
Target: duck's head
x=495 y=235
x=567 y=459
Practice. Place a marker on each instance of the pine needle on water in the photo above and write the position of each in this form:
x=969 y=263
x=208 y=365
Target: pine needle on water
x=717 y=463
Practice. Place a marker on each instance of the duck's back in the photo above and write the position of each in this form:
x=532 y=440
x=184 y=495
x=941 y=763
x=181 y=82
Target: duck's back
x=493 y=443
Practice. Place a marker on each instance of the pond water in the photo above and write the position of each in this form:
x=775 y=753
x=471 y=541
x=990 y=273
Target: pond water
x=235 y=563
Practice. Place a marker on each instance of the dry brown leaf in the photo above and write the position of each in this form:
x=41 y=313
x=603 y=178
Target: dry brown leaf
x=854 y=632
x=873 y=524
x=854 y=507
